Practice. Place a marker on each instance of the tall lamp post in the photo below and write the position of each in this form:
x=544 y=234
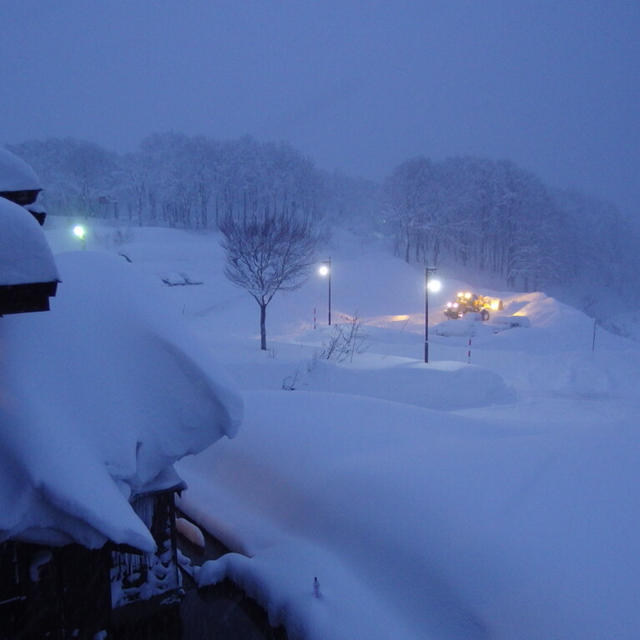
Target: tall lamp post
x=325 y=271
x=430 y=284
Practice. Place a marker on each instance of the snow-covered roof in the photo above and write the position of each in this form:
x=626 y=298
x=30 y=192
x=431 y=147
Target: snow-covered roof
x=98 y=398
x=25 y=256
x=16 y=174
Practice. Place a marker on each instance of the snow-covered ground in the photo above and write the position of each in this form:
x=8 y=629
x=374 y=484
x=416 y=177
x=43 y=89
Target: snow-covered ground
x=489 y=494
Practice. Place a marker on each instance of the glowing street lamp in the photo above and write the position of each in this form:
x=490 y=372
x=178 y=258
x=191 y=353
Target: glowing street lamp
x=325 y=271
x=433 y=285
x=80 y=232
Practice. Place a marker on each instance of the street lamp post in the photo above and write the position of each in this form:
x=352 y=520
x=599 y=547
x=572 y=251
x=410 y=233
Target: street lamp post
x=433 y=285
x=325 y=271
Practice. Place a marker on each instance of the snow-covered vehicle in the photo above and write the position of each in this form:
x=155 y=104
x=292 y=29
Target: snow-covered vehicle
x=467 y=302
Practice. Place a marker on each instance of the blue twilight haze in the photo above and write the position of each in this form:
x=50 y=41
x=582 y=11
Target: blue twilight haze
x=358 y=86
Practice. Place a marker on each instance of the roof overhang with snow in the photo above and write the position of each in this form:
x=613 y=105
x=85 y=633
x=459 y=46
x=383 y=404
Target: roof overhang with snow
x=16 y=174
x=28 y=273
x=20 y=184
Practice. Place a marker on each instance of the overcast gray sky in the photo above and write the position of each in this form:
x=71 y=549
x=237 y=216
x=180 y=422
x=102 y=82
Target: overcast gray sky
x=359 y=86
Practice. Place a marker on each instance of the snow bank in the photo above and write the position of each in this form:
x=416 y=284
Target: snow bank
x=469 y=326
x=100 y=396
x=439 y=385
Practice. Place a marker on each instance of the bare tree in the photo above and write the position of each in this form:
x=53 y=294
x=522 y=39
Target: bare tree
x=267 y=253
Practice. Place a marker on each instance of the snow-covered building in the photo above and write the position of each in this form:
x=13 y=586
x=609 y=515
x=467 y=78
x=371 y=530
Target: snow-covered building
x=20 y=184
x=28 y=273
x=98 y=398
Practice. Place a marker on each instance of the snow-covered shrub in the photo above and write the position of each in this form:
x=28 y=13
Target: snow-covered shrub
x=345 y=340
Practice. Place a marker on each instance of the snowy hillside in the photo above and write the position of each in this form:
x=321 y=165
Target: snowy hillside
x=488 y=494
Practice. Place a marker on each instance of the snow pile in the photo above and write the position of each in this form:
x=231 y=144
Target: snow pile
x=469 y=326
x=440 y=385
x=25 y=256
x=100 y=396
x=542 y=310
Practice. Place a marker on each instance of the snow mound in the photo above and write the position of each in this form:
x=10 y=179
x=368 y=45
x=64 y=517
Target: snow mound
x=441 y=385
x=100 y=396
x=542 y=310
x=468 y=326
x=511 y=322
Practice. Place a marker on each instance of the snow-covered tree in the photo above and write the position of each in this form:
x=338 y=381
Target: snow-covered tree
x=488 y=215
x=78 y=176
x=483 y=214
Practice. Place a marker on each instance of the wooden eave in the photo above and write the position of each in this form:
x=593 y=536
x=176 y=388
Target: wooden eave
x=25 y=298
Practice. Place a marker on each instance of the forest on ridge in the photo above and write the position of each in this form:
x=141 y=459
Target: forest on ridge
x=484 y=215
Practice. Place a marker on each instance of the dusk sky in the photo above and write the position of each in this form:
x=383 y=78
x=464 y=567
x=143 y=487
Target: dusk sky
x=358 y=86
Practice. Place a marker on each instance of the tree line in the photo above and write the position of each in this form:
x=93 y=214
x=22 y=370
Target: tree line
x=490 y=216
x=496 y=218
x=173 y=179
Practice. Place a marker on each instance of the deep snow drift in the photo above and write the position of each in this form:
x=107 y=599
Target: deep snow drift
x=487 y=500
